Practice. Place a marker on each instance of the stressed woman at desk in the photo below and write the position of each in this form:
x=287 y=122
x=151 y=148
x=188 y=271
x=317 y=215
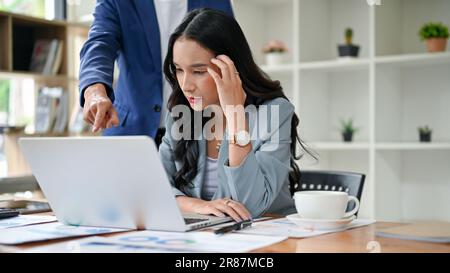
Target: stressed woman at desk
x=231 y=132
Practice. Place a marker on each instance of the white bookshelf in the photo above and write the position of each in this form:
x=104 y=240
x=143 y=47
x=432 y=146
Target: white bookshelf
x=414 y=60
x=335 y=65
x=391 y=89
x=339 y=146
x=286 y=68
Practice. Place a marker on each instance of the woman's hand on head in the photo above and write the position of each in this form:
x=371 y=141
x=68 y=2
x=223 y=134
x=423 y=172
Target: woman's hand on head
x=228 y=82
x=222 y=208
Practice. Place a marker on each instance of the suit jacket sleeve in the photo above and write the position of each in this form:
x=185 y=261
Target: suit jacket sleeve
x=101 y=49
x=260 y=177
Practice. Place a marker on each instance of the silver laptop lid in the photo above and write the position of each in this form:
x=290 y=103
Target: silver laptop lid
x=104 y=181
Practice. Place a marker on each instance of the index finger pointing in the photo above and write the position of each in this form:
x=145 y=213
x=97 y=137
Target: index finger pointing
x=99 y=119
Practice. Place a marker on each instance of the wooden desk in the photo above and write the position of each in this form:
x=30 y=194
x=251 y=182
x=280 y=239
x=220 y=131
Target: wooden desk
x=362 y=240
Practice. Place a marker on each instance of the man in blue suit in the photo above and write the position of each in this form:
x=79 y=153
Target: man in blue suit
x=135 y=32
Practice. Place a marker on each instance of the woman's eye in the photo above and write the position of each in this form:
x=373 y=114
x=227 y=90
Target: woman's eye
x=199 y=72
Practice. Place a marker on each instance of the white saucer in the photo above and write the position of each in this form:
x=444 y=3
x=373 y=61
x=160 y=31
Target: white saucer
x=320 y=224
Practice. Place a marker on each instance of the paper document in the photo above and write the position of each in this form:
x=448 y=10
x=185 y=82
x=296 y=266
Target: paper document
x=195 y=241
x=24 y=220
x=91 y=245
x=284 y=227
x=44 y=232
x=157 y=241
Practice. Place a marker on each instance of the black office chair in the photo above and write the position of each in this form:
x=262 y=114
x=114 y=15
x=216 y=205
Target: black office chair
x=351 y=183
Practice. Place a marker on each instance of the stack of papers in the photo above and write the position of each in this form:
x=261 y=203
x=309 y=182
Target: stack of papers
x=159 y=241
x=50 y=231
x=25 y=220
x=284 y=227
x=90 y=245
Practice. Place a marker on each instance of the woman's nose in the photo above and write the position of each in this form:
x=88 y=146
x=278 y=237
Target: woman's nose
x=187 y=84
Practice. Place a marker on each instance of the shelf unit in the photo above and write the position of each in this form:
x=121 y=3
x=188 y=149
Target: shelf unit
x=339 y=146
x=412 y=146
x=391 y=89
x=17 y=36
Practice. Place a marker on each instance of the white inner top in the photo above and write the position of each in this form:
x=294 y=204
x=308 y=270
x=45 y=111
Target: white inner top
x=170 y=13
x=210 y=183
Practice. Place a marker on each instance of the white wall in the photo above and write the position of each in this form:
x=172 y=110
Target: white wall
x=80 y=10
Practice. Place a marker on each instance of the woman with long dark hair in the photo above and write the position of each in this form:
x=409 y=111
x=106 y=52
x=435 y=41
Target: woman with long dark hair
x=241 y=173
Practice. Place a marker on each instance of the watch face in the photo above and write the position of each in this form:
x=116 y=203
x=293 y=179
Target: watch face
x=243 y=138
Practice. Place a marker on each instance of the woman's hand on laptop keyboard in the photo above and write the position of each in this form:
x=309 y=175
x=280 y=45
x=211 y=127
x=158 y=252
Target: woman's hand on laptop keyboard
x=219 y=207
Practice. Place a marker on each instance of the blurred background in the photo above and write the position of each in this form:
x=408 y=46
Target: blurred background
x=369 y=79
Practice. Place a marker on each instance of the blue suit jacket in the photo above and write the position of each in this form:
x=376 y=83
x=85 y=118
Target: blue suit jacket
x=127 y=30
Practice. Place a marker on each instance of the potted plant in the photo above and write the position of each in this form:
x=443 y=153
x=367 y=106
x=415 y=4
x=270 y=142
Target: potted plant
x=348 y=49
x=347 y=129
x=436 y=35
x=275 y=51
x=425 y=133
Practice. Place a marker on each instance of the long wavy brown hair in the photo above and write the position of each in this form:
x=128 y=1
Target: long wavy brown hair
x=221 y=34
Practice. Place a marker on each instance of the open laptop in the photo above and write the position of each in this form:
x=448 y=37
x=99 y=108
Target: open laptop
x=108 y=182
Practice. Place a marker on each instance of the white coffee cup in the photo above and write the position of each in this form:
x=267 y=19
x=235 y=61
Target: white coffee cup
x=324 y=204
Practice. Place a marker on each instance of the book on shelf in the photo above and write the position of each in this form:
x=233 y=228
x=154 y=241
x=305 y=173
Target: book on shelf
x=58 y=59
x=62 y=113
x=433 y=231
x=51 y=110
x=47 y=56
x=45 y=112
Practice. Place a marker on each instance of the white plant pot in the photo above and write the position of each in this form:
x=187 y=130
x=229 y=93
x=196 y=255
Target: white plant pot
x=275 y=58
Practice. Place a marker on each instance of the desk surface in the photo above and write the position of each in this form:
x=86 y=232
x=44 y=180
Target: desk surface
x=362 y=240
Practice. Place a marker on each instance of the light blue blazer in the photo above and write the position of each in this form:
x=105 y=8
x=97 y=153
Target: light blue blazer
x=261 y=182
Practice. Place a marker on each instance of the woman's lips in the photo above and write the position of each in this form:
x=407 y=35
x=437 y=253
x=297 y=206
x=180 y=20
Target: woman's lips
x=194 y=100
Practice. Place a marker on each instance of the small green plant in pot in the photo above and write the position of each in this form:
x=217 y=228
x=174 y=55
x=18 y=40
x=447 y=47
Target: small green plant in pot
x=348 y=130
x=275 y=52
x=425 y=133
x=436 y=35
x=348 y=49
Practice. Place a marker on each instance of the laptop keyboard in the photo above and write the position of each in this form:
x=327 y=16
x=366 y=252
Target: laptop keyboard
x=8 y=213
x=194 y=220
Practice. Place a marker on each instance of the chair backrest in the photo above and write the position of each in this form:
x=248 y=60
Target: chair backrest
x=349 y=182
